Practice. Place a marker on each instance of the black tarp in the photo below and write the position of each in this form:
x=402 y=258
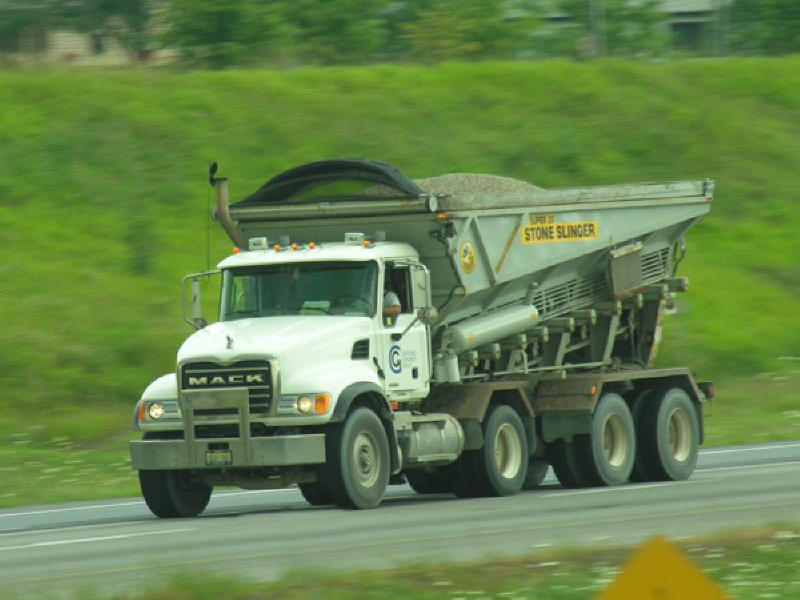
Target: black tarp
x=351 y=178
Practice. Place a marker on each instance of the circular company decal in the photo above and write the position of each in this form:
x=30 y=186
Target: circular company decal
x=394 y=359
x=467 y=256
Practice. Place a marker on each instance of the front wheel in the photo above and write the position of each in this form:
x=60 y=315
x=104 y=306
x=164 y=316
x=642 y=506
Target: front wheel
x=357 y=471
x=174 y=494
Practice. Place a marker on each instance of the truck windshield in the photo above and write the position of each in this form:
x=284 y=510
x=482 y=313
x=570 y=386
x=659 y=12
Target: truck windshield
x=322 y=288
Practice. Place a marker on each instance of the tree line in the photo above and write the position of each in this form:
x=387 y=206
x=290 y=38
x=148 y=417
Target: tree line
x=218 y=34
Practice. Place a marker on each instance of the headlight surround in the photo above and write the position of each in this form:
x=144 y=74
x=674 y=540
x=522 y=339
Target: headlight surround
x=305 y=404
x=151 y=412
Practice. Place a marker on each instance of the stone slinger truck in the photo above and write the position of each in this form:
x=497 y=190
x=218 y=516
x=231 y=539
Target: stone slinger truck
x=460 y=333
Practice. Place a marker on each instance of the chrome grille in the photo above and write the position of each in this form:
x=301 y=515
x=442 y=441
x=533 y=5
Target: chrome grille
x=254 y=375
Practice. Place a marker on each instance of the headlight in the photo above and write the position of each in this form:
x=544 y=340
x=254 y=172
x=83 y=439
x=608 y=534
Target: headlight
x=304 y=404
x=155 y=411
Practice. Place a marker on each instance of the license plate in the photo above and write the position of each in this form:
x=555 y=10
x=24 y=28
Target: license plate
x=218 y=458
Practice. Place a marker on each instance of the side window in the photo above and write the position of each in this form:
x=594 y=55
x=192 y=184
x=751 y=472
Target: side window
x=398 y=280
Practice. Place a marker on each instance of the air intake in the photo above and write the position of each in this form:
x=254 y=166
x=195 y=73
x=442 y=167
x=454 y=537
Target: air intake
x=360 y=350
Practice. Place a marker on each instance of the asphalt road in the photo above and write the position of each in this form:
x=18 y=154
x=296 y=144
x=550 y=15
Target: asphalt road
x=118 y=546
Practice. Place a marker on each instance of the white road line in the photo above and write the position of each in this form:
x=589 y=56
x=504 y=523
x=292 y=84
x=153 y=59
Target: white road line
x=246 y=492
x=749 y=448
x=94 y=539
x=70 y=509
x=5 y=533
x=783 y=463
x=46 y=511
x=617 y=488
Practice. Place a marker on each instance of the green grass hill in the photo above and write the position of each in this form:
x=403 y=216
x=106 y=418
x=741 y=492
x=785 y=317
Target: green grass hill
x=103 y=196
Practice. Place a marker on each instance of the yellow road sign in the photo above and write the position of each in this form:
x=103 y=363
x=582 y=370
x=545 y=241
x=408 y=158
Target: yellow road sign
x=659 y=571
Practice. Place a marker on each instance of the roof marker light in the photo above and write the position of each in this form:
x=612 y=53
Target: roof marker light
x=294 y=246
x=310 y=245
x=276 y=247
x=236 y=250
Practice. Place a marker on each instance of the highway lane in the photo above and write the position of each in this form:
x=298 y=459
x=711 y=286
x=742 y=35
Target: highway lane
x=117 y=545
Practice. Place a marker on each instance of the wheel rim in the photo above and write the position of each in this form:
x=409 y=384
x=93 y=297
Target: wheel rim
x=365 y=459
x=679 y=434
x=615 y=441
x=507 y=451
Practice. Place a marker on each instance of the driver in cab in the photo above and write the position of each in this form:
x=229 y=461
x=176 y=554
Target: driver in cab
x=391 y=307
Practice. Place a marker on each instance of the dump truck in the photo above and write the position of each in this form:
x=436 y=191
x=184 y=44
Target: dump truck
x=461 y=333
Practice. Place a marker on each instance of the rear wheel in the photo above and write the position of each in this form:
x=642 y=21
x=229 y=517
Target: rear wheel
x=499 y=468
x=173 y=494
x=607 y=453
x=564 y=461
x=357 y=471
x=460 y=478
x=426 y=482
x=642 y=471
x=315 y=494
x=669 y=436
x=537 y=469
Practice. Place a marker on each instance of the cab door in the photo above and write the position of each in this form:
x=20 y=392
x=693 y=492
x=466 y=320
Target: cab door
x=404 y=341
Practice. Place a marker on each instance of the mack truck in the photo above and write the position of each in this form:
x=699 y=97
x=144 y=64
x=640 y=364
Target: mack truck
x=461 y=333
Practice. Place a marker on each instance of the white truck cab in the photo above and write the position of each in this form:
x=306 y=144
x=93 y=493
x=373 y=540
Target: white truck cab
x=316 y=309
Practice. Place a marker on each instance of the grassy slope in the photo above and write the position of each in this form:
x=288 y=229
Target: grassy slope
x=103 y=195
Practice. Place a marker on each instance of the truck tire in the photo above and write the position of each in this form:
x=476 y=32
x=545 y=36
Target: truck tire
x=537 y=469
x=357 y=470
x=174 y=494
x=606 y=454
x=669 y=436
x=561 y=455
x=315 y=494
x=426 y=482
x=458 y=476
x=500 y=467
x=641 y=470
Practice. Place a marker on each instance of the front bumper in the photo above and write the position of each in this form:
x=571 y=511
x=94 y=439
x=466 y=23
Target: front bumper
x=225 y=408
x=275 y=451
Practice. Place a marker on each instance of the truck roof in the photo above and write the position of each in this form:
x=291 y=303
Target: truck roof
x=321 y=252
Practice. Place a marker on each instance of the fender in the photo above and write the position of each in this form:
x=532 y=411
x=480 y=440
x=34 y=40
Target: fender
x=350 y=393
x=345 y=401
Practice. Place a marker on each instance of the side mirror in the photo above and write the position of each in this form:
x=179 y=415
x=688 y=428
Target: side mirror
x=197 y=321
x=420 y=286
x=197 y=311
x=428 y=315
